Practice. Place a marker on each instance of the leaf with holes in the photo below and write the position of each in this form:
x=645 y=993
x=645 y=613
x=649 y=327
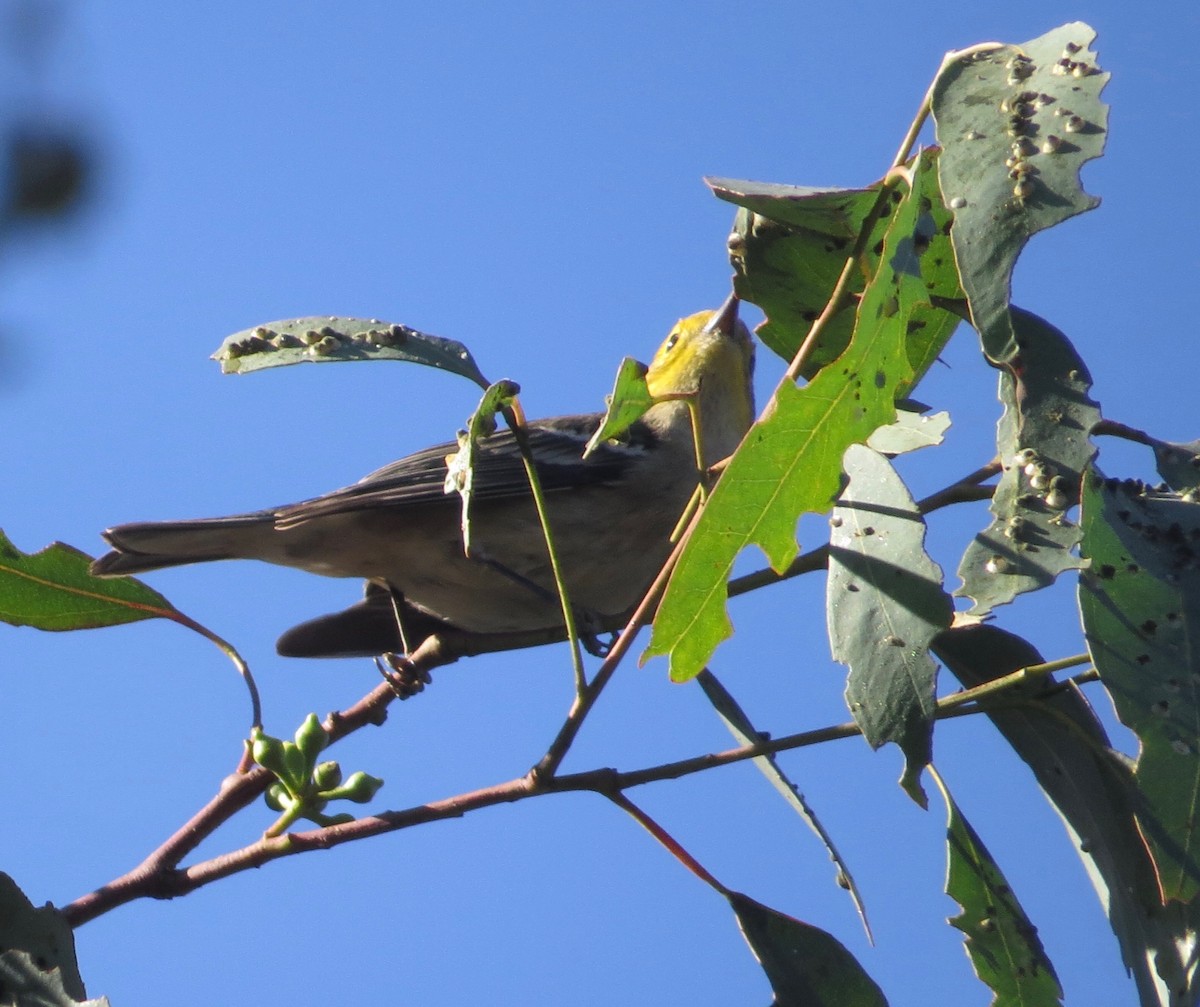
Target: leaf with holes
x=1016 y=123
x=1140 y=601
x=1042 y=440
x=884 y=604
x=790 y=461
x=1001 y=942
x=788 y=247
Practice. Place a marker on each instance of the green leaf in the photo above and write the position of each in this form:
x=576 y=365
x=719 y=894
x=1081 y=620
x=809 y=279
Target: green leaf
x=1042 y=440
x=44 y=936
x=789 y=462
x=1016 y=124
x=328 y=338
x=788 y=247
x=629 y=400
x=460 y=466
x=805 y=966
x=884 y=604
x=52 y=590
x=1059 y=737
x=1140 y=600
x=742 y=729
x=1001 y=942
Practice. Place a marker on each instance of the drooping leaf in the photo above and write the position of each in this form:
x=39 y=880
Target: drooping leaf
x=328 y=338
x=1140 y=600
x=806 y=966
x=1001 y=942
x=1060 y=738
x=789 y=462
x=1042 y=440
x=788 y=247
x=884 y=603
x=52 y=590
x=734 y=717
x=460 y=466
x=1015 y=123
x=629 y=400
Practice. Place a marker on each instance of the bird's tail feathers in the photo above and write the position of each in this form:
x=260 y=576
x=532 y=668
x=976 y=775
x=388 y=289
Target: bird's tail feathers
x=152 y=545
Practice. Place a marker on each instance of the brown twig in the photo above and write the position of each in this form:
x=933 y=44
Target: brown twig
x=160 y=877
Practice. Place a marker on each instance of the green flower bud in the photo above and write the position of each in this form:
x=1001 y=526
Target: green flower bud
x=327 y=775
x=311 y=737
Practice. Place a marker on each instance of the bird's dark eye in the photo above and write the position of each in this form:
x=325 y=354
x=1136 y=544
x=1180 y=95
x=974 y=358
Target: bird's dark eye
x=672 y=339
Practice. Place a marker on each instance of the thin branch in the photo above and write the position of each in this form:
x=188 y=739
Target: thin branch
x=158 y=877
x=1114 y=429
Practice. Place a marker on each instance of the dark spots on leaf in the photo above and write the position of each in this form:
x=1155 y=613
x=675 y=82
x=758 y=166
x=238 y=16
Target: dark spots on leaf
x=880 y=379
x=810 y=315
x=1162 y=707
x=1106 y=571
x=877 y=248
x=1149 y=627
x=914 y=326
x=1132 y=568
x=1143 y=659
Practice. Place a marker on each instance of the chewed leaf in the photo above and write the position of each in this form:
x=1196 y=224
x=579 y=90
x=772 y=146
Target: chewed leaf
x=1042 y=440
x=1001 y=942
x=1015 y=123
x=629 y=400
x=788 y=246
x=884 y=604
x=328 y=338
x=790 y=461
x=52 y=590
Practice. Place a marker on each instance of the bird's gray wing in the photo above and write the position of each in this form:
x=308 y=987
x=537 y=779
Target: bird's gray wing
x=499 y=472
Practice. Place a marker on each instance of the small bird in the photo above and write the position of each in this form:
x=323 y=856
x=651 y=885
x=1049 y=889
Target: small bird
x=611 y=515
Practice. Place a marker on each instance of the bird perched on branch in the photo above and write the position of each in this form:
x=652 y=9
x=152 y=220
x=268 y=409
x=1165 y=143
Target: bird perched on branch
x=611 y=515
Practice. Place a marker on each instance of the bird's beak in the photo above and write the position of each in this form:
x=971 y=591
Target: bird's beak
x=725 y=317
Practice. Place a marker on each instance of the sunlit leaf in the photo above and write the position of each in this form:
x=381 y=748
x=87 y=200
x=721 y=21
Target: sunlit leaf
x=52 y=590
x=789 y=462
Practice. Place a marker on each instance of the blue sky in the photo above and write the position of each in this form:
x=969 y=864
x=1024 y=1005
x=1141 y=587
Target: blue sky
x=525 y=178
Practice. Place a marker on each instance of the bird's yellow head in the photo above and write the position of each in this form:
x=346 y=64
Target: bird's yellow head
x=710 y=354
